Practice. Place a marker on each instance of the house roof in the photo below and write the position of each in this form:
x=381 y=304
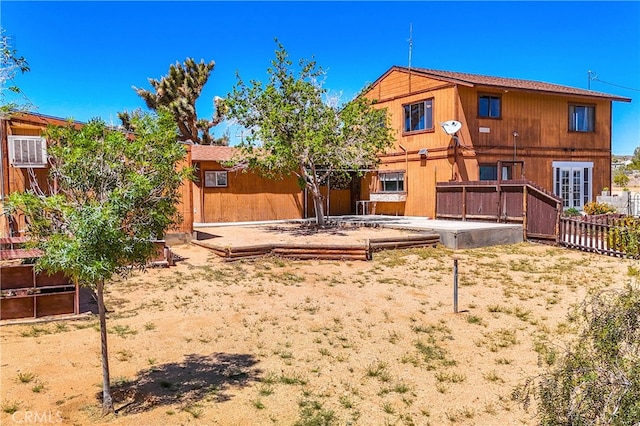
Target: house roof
x=212 y=153
x=36 y=120
x=475 y=80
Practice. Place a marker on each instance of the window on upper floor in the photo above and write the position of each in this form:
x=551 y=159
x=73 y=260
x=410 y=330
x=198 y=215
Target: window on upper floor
x=582 y=118
x=489 y=106
x=392 y=182
x=418 y=116
x=27 y=151
x=215 y=179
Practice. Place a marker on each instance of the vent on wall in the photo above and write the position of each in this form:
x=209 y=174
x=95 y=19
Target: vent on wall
x=27 y=151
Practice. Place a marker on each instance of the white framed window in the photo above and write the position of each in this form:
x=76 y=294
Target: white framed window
x=215 y=179
x=27 y=151
x=573 y=181
x=392 y=182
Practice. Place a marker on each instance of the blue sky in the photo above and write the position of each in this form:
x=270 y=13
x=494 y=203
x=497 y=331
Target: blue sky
x=86 y=56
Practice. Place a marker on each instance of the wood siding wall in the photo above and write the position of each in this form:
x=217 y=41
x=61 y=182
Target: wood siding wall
x=17 y=179
x=541 y=121
x=443 y=162
x=248 y=197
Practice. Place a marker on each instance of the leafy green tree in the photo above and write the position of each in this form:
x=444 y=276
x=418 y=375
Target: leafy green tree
x=293 y=130
x=115 y=195
x=597 y=380
x=178 y=91
x=10 y=64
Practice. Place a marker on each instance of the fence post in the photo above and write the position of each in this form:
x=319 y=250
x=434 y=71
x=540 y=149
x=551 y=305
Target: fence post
x=455 y=285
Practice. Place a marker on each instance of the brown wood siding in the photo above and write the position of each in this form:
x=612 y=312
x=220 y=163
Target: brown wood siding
x=185 y=206
x=17 y=179
x=542 y=123
x=421 y=174
x=248 y=197
x=541 y=120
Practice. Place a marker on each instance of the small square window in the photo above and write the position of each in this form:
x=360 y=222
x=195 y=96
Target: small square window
x=489 y=106
x=418 y=116
x=581 y=118
x=215 y=179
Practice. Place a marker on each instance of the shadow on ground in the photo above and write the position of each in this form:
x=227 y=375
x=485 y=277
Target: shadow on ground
x=196 y=378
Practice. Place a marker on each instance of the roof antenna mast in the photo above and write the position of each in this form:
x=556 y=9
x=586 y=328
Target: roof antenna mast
x=410 y=43
x=410 y=50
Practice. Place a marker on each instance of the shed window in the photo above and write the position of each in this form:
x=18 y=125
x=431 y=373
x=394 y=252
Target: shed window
x=418 y=116
x=581 y=118
x=215 y=179
x=392 y=182
x=489 y=106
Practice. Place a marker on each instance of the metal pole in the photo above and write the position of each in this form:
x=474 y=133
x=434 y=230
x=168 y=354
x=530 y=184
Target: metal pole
x=455 y=286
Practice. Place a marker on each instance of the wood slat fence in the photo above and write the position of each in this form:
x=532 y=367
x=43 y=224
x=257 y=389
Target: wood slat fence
x=508 y=201
x=591 y=233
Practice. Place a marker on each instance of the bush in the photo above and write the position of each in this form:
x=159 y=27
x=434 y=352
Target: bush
x=597 y=380
x=572 y=212
x=621 y=179
x=595 y=207
x=625 y=237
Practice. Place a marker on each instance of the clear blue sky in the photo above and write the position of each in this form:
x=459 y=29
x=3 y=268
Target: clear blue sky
x=85 y=56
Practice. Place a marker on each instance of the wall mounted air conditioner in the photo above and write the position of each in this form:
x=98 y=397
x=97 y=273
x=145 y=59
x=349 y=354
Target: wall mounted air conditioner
x=27 y=151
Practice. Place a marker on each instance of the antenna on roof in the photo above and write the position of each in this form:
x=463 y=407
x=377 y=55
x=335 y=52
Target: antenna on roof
x=410 y=43
x=591 y=76
x=410 y=50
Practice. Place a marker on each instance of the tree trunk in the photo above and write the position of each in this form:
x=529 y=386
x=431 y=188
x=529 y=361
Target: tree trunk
x=107 y=402
x=319 y=207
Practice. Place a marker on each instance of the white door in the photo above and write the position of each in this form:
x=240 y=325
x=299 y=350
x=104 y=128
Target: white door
x=572 y=182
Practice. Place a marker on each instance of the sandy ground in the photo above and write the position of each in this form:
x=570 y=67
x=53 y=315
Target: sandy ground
x=280 y=342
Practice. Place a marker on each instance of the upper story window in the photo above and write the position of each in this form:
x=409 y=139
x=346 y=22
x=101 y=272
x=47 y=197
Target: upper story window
x=418 y=116
x=582 y=118
x=392 y=182
x=215 y=179
x=489 y=106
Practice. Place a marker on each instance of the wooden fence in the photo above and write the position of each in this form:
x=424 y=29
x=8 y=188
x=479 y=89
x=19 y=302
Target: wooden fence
x=510 y=201
x=591 y=233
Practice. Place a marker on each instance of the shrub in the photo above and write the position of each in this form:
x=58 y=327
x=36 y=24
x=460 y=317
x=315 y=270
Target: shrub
x=595 y=207
x=625 y=237
x=621 y=179
x=571 y=212
x=597 y=380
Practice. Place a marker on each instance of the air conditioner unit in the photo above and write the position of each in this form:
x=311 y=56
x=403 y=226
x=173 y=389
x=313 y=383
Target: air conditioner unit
x=27 y=151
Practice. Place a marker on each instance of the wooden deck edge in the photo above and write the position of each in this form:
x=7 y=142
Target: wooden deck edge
x=322 y=252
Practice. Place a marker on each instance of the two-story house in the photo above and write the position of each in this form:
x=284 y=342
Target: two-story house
x=556 y=136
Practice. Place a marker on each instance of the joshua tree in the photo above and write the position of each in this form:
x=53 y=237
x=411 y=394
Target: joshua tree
x=178 y=91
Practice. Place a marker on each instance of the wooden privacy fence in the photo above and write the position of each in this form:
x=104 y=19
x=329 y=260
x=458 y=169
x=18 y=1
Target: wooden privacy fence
x=509 y=201
x=592 y=233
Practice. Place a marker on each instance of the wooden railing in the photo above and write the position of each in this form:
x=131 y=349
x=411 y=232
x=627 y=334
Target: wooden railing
x=590 y=233
x=510 y=201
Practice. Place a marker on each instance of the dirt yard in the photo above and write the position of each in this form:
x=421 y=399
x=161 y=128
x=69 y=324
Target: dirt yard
x=279 y=342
